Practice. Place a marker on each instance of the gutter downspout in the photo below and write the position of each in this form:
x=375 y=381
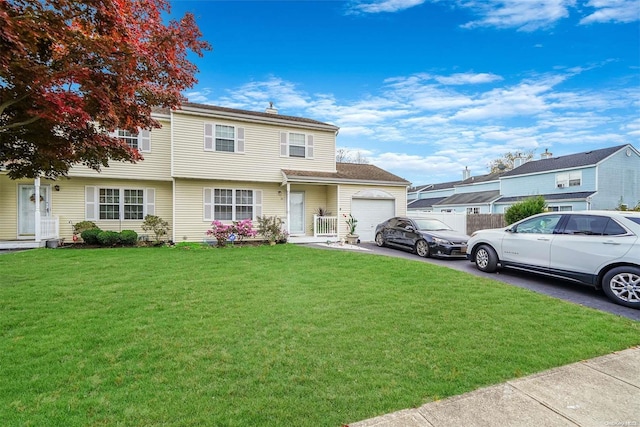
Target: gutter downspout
x=288 y=207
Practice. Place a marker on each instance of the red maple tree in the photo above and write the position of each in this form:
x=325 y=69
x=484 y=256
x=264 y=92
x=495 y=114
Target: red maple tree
x=71 y=71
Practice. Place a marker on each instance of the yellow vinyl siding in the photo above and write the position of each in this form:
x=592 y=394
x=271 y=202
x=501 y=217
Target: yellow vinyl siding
x=189 y=205
x=261 y=159
x=155 y=166
x=9 y=206
x=69 y=203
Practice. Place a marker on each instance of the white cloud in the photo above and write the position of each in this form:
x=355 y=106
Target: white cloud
x=612 y=11
x=380 y=6
x=467 y=78
x=417 y=127
x=521 y=14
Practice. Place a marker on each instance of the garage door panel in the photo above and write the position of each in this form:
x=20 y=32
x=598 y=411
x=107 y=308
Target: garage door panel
x=370 y=213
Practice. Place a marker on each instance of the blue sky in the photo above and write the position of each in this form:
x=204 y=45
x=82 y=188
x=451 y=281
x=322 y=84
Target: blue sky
x=425 y=88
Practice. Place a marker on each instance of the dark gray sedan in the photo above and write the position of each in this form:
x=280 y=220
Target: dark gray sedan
x=424 y=236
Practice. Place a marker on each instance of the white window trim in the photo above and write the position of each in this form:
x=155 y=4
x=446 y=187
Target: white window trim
x=309 y=148
x=563 y=179
x=208 y=202
x=144 y=139
x=92 y=202
x=210 y=138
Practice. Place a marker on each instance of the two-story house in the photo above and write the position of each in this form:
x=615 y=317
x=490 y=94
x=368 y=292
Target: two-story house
x=595 y=179
x=211 y=163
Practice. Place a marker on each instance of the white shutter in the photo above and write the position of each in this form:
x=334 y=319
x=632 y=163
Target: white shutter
x=144 y=141
x=208 y=204
x=208 y=137
x=239 y=140
x=90 y=203
x=257 y=204
x=284 y=146
x=150 y=201
x=309 y=150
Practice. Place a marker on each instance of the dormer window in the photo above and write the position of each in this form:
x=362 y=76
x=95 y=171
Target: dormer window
x=569 y=179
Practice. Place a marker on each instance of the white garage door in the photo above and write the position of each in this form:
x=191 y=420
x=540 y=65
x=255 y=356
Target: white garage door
x=370 y=213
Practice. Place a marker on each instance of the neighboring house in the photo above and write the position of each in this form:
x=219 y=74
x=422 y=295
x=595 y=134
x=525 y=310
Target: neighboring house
x=210 y=163
x=596 y=179
x=472 y=195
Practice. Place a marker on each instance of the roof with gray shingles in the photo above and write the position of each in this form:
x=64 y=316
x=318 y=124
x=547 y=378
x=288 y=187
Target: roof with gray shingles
x=578 y=195
x=350 y=172
x=471 y=198
x=190 y=106
x=586 y=158
x=424 y=203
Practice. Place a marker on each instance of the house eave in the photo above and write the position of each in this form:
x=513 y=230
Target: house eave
x=248 y=118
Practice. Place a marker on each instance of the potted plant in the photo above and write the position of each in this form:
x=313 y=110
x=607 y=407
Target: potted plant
x=352 y=237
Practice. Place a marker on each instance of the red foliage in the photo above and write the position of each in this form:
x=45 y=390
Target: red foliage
x=73 y=70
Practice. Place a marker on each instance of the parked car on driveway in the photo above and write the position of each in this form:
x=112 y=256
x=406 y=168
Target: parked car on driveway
x=597 y=248
x=424 y=236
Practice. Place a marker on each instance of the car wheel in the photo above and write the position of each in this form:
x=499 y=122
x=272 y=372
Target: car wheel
x=422 y=248
x=379 y=240
x=486 y=259
x=622 y=286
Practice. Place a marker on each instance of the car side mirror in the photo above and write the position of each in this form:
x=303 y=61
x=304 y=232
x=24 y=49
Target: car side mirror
x=409 y=228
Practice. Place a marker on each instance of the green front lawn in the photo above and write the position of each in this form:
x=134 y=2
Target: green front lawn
x=265 y=336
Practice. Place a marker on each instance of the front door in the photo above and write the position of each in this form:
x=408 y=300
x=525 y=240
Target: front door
x=296 y=210
x=27 y=209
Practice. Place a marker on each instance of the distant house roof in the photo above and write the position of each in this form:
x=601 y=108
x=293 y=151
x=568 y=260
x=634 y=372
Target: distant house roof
x=481 y=178
x=432 y=187
x=478 y=197
x=424 y=203
x=587 y=158
x=579 y=195
x=346 y=172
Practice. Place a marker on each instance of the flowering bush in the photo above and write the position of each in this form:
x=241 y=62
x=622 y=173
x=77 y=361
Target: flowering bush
x=222 y=232
x=351 y=223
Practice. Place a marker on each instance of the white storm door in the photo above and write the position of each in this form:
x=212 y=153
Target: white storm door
x=27 y=208
x=296 y=210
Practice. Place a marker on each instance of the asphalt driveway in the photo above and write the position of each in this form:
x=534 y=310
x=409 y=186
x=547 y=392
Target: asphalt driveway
x=576 y=293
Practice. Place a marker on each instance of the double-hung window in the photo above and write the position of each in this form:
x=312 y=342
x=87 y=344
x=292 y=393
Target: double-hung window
x=112 y=203
x=473 y=211
x=295 y=144
x=569 y=179
x=223 y=138
x=229 y=204
x=138 y=141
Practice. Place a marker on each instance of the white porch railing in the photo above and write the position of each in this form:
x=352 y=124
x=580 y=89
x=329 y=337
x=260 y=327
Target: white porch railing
x=49 y=227
x=325 y=226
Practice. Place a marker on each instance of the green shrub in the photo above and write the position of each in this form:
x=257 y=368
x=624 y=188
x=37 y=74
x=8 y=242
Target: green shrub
x=109 y=238
x=90 y=236
x=128 y=237
x=524 y=209
x=156 y=224
x=81 y=226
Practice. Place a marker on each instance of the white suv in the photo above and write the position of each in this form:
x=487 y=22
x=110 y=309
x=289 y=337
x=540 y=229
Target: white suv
x=597 y=248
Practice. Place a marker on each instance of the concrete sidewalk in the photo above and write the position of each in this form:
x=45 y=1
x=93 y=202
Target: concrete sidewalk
x=604 y=391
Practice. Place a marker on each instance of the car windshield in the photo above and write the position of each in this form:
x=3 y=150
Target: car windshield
x=429 y=224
